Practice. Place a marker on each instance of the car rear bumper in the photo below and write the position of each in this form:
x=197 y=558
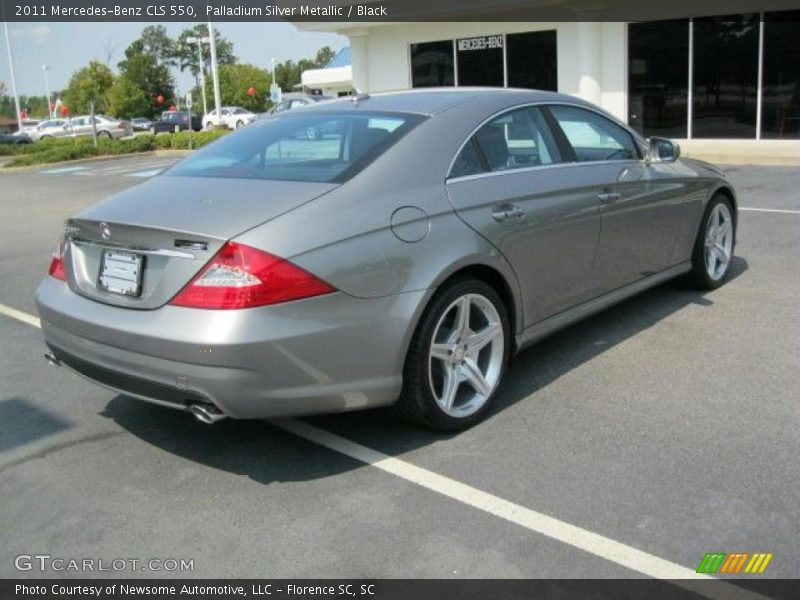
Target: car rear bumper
x=326 y=354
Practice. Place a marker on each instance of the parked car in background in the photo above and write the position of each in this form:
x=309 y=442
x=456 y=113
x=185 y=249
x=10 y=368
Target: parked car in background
x=107 y=127
x=28 y=125
x=297 y=100
x=443 y=231
x=232 y=117
x=141 y=124
x=51 y=128
x=15 y=138
x=173 y=121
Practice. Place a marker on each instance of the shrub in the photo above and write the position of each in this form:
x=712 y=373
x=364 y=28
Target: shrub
x=61 y=149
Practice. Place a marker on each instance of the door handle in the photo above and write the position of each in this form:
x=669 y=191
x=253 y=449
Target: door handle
x=508 y=212
x=607 y=196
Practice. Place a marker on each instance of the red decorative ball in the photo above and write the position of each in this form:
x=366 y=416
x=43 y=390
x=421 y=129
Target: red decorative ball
x=64 y=111
x=160 y=99
x=251 y=91
x=172 y=108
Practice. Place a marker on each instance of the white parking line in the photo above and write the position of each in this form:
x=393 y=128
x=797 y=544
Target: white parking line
x=19 y=315
x=572 y=535
x=770 y=210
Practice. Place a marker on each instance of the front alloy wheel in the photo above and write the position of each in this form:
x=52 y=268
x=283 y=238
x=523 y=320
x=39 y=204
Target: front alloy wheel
x=719 y=241
x=713 y=250
x=456 y=358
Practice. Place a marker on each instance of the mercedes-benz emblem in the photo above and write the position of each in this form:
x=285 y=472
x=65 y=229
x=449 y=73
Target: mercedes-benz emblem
x=105 y=231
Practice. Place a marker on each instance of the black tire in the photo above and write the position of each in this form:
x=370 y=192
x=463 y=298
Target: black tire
x=45 y=137
x=105 y=134
x=417 y=404
x=699 y=277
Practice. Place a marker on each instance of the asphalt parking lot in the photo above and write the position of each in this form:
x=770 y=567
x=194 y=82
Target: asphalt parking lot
x=668 y=425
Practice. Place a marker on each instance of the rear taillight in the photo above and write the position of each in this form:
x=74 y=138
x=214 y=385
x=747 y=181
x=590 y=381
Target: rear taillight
x=57 y=264
x=122 y=125
x=239 y=276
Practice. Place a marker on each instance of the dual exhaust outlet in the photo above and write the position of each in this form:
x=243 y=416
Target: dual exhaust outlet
x=205 y=413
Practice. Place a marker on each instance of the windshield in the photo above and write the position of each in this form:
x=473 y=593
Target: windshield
x=319 y=147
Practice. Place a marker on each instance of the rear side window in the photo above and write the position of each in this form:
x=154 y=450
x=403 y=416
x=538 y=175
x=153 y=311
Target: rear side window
x=314 y=147
x=594 y=137
x=514 y=140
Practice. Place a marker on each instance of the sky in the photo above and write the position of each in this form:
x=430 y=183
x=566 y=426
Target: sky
x=66 y=47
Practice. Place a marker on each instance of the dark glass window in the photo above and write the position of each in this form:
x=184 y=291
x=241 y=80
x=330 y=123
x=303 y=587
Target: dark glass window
x=780 y=116
x=593 y=137
x=480 y=61
x=658 y=77
x=725 y=76
x=532 y=61
x=432 y=64
x=468 y=161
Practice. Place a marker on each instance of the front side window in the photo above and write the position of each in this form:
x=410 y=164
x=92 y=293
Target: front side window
x=594 y=137
x=513 y=140
x=318 y=147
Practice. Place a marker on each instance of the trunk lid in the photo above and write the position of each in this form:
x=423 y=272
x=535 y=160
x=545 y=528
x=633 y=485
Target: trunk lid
x=169 y=227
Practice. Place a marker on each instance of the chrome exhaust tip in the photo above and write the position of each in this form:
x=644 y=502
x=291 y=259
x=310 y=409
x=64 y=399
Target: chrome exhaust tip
x=206 y=413
x=52 y=359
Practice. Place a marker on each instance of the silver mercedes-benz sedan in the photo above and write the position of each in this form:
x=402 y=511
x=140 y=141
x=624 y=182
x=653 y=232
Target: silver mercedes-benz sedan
x=395 y=249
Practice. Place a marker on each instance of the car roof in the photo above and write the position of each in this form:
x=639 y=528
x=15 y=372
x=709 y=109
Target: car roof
x=430 y=101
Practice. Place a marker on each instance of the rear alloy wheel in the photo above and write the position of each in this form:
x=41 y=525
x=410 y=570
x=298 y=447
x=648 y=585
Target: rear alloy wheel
x=209 y=126
x=105 y=134
x=239 y=124
x=713 y=252
x=457 y=358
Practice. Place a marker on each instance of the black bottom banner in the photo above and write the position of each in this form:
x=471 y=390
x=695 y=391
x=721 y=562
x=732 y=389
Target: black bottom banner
x=401 y=589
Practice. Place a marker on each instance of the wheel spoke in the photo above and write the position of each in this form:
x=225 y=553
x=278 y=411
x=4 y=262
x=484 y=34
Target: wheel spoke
x=461 y=329
x=442 y=351
x=711 y=261
x=450 y=386
x=472 y=373
x=488 y=334
x=720 y=254
x=723 y=230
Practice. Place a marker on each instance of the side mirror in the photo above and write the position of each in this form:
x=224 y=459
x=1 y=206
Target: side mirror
x=662 y=150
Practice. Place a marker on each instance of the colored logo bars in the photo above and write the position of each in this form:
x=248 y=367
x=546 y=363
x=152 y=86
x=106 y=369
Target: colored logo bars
x=720 y=562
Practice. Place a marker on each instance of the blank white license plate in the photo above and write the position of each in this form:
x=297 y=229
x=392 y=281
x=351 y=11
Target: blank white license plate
x=121 y=273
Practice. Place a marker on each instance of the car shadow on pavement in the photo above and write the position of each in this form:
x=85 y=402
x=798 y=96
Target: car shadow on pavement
x=266 y=453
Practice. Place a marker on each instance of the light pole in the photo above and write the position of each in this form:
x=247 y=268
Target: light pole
x=11 y=69
x=214 y=73
x=47 y=91
x=200 y=41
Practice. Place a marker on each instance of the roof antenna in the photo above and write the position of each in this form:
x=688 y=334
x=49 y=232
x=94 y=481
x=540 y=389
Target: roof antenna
x=358 y=96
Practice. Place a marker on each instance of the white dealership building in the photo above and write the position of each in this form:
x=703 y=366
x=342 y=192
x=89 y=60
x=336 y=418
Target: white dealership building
x=721 y=77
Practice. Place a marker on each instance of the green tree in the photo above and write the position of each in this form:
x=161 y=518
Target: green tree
x=324 y=56
x=156 y=42
x=87 y=85
x=127 y=100
x=185 y=54
x=236 y=80
x=143 y=72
